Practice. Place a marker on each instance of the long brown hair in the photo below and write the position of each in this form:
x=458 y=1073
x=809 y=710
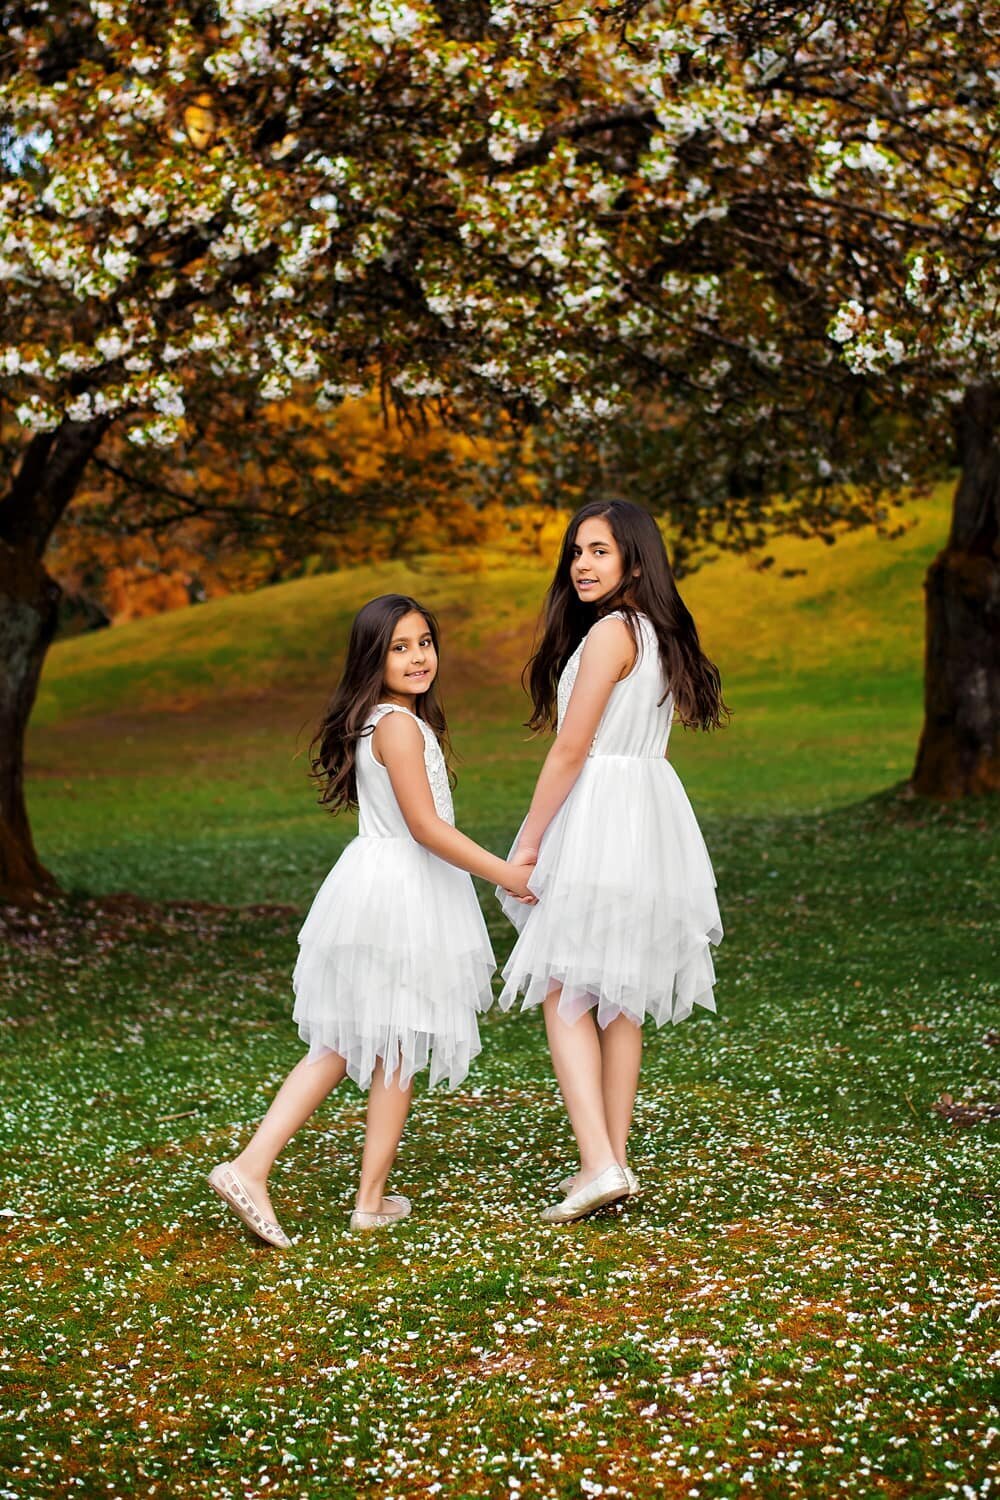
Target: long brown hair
x=693 y=680
x=334 y=746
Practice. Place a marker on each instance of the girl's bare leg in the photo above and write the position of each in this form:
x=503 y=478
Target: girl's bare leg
x=301 y=1094
x=621 y=1054
x=576 y=1059
x=387 y=1111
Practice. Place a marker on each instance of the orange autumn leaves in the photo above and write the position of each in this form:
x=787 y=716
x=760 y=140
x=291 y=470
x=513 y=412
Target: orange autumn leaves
x=304 y=491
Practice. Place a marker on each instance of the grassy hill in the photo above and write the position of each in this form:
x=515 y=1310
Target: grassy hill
x=191 y=728
x=854 y=604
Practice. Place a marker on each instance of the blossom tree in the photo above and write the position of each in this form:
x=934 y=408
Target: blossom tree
x=779 y=219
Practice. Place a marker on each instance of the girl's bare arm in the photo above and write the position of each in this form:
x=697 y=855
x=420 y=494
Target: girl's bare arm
x=608 y=656
x=398 y=743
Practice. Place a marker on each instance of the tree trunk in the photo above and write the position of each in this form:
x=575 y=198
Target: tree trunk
x=29 y=605
x=959 y=753
x=51 y=468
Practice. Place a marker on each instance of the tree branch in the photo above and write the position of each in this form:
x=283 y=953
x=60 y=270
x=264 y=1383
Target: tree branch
x=189 y=507
x=46 y=481
x=573 y=129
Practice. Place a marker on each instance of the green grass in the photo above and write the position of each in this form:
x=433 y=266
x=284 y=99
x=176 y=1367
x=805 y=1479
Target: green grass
x=801 y=1302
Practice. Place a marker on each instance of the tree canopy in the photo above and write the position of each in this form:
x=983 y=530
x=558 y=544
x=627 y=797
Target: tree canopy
x=782 y=218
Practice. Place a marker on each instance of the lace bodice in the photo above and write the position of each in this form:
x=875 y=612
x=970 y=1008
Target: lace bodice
x=378 y=809
x=437 y=774
x=637 y=717
x=566 y=680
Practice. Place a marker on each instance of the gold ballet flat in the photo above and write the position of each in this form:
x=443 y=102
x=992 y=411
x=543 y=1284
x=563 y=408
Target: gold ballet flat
x=362 y=1220
x=224 y=1181
x=634 y=1189
x=610 y=1186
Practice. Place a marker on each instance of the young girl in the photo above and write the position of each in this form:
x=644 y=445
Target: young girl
x=394 y=958
x=626 y=904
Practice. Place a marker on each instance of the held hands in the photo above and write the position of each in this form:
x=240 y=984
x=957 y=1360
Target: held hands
x=520 y=865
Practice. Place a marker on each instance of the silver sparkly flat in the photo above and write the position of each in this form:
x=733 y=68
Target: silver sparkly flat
x=611 y=1186
x=362 y=1220
x=634 y=1188
x=224 y=1181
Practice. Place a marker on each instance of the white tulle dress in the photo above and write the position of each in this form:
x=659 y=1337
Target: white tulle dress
x=626 y=911
x=394 y=958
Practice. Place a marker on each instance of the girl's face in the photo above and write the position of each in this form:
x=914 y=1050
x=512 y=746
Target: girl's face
x=596 y=568
x=411 y=662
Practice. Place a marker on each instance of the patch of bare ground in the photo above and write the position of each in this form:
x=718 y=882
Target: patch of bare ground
x=962 y=1114
x=48 y=922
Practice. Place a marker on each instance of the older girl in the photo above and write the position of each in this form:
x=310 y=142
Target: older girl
x=626 y=909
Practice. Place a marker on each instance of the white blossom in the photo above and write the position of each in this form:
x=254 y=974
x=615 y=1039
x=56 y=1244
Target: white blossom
x=37 y=415
x=849 y=321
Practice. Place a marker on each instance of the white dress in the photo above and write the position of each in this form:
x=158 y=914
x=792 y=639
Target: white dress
x=394 y=958
x=626 y=907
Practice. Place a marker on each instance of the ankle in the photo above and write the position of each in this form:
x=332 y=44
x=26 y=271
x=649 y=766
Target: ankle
x=248 y=1167
x=369 y=1200
x=593 y=1167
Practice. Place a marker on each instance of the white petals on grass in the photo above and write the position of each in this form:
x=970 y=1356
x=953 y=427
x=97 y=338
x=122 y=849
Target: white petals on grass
x=801 y=1303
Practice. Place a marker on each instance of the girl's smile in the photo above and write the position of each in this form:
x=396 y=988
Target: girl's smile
x=411 y=661
x=596 y=568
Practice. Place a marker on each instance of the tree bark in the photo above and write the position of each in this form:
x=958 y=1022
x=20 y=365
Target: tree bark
x=29 y=605
x=47 y=479
x=959 y=752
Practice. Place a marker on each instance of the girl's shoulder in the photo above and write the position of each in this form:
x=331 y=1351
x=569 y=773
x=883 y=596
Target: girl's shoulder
x=611 y=644
x=613 y=617
x=637 y=634
x=397 y=711
x=621 y=614
x=642 y=633
x=399 y=718
x=396 y=730
x=617 y=623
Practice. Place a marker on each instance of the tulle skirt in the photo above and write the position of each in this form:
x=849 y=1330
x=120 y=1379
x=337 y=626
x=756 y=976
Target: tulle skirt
x=394 y=963
x=626 y=911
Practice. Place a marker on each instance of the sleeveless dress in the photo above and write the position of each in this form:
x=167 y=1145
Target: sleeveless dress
x=626 y=907
x=394 y=958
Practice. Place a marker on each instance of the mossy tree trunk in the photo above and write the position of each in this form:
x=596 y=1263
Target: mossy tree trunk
x=959 y=753
x=46 y=480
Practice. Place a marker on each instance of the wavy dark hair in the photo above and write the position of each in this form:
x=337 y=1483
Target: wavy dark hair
x=334 y=746
x=693 y=680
